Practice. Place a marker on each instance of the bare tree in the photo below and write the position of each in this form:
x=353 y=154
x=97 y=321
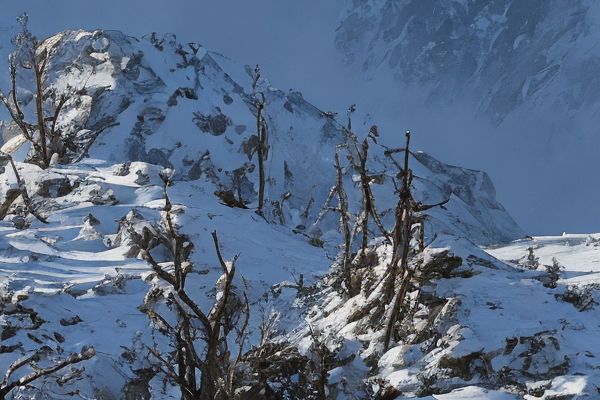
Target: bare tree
x=43 y=133
x=40 y=124
x=407 y=210
x=213 y=363
x=338 y=191
x=344 y=226
x=368 y=200
x=368 y=208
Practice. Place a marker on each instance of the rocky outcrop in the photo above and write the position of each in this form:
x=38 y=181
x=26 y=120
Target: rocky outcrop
x=183 y=107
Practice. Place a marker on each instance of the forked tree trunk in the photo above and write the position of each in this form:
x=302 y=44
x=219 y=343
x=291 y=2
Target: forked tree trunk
x=261 y=152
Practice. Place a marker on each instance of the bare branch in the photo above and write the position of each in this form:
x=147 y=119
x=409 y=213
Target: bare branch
x=23 y=190
x=91 y=141
x=424 y=207
x=344 y=225
x=326 y=207
x=6 y=387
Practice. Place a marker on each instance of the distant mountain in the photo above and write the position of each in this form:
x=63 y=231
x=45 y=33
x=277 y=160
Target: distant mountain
x=500 y=55
x=507 y=86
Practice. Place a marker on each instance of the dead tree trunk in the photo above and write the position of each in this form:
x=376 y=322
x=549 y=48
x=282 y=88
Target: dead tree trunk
x=349 y=113
x=368 y=200
x=407 y=211
x=262 y=147
x=400 y=246
x=401 y=232
x=261 y=152
x=39 y=69
x=344 y=225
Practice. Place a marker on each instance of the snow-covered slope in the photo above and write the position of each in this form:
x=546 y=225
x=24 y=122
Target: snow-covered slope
x=77 y=282
x=183 y=107
x=480 y=328
x=74 y=283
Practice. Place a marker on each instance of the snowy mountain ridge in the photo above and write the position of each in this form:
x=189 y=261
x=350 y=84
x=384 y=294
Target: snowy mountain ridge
x=186 y=108
x=505 y=55
x=80 y=279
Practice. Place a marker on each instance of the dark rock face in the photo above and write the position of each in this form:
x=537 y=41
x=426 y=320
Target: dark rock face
x=55 y=187
x=188 y=93
x=215 y=124
x=148 y=121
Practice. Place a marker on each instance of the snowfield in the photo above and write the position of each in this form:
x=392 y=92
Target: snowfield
x=481 y=325
x=499 y=333
x=67 y=271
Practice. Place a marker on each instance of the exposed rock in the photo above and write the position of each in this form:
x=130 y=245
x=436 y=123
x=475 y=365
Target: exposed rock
x=121 y=169
x=55 y=187
x=70 y=321
x=249 y=146
x=100 y=197
x=240 y=129
x=229 y=199
x=227 y=99
x=139 y=387
x=91 y=220
x=111 y=285
x=216 y=123
x=134 y=223
x=467 y=366
x=443 y=265
x=142 y=178
x=188 y=93
x=148 y=121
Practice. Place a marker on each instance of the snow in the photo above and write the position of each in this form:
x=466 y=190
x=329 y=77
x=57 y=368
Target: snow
x=564 y=386
x=470 y=393
x=490 y=317
x=40 y=262
x=500 y=303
